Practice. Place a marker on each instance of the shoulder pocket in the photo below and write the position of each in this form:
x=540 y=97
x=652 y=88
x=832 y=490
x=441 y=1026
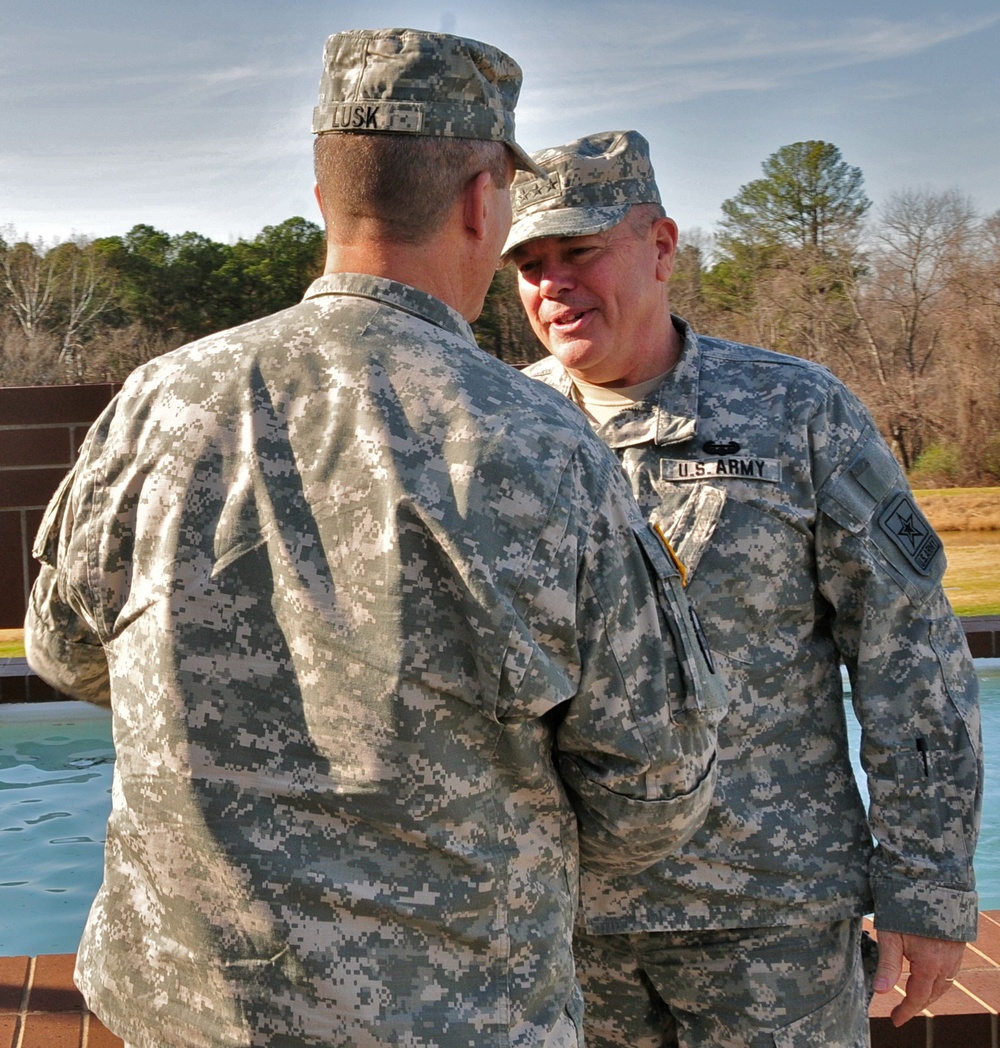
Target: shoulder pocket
x=871 y=498
x=703 y=688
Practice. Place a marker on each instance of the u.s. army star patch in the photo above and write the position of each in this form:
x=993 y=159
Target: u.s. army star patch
x=911 y=533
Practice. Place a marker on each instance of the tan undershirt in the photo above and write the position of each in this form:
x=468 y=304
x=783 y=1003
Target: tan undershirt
x=599 y=403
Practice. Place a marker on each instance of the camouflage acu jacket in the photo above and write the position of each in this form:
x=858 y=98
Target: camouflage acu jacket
x=804 y=549
x=385 y=640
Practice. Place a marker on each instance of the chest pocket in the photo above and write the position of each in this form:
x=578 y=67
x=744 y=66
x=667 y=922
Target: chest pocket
x=704 y=692
x=688 y=518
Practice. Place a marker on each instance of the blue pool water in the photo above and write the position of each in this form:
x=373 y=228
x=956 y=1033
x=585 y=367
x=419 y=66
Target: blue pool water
x=56 y=763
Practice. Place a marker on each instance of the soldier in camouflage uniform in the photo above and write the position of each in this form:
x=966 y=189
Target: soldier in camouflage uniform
x=803 y=549
x=384 y=634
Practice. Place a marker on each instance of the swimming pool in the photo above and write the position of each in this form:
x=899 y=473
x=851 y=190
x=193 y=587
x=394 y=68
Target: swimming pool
x=56 y=764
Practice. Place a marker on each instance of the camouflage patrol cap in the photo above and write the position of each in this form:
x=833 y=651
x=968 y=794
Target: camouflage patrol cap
x=412 y=82
x=588 y=187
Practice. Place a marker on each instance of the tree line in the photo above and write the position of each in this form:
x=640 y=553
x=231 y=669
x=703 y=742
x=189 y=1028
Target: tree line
x=902 y=302
x=92 y=310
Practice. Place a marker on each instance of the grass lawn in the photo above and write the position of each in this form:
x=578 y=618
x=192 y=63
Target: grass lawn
x=11 y=644
x=968 y=521
x=972 y=579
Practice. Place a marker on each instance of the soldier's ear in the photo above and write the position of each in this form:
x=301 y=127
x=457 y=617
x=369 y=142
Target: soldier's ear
x=664 y=232
x=477 y=203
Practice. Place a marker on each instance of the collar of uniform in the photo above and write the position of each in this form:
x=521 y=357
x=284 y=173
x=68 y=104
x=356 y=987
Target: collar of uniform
x=677 y=398
x=392 y=293
x=552 y=373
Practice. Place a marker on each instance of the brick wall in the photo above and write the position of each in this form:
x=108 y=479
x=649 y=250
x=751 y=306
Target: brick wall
x=41 y=429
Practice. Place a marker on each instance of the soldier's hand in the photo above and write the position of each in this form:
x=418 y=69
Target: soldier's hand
x=934 y=963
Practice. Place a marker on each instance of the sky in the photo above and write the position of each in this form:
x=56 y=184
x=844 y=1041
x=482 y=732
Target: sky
x=194 y=115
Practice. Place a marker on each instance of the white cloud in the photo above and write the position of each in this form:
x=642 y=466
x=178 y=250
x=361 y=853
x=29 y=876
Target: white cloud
x=196 y=115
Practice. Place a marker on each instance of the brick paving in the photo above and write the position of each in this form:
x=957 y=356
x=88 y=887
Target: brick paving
x=965 y=1016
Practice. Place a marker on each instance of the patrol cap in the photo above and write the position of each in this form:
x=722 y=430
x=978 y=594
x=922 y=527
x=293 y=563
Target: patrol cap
x=588 y=187
x=408 y=81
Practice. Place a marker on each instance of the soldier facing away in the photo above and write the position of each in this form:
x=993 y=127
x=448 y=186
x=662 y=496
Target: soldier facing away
x=803 y=549
x=384 y=634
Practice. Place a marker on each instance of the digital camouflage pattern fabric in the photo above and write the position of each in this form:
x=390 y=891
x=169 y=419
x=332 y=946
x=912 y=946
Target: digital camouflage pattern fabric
x=809 y=984
x=804 y=548
x=584 y=187
x=388 y=647
x=408 y=81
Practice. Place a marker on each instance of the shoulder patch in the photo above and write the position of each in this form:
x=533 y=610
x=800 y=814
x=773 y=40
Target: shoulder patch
x=903 y=522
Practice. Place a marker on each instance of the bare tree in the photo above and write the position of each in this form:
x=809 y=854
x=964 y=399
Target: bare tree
x=971 y=392
x=28 y=278
x=84 y=291
x=58 y=293
x=24 y=361
x=919 y=243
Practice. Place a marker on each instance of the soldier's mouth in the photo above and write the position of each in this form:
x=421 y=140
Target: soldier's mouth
x=568 y=319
